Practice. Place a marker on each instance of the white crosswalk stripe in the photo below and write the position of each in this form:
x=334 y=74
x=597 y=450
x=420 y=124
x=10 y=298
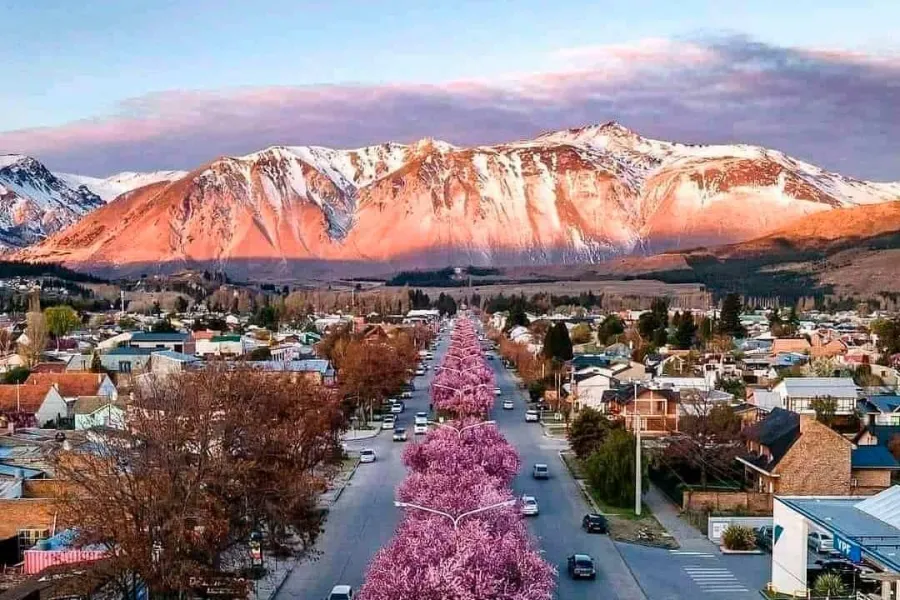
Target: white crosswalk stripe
x=715 y=580
x=692 y=554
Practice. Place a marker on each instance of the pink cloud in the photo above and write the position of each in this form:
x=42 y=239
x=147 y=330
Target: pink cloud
x=837 y=109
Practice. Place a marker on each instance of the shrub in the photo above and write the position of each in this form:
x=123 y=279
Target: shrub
x=738 y=537
x=829 y=585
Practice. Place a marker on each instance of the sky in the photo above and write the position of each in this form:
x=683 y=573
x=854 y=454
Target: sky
x=110 y=85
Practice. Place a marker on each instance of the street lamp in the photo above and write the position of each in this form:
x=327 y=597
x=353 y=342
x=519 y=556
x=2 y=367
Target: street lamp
x=456 y=519
x=460 y=390
x=459 y=430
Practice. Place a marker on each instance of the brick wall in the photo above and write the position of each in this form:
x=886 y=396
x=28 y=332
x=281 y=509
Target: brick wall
x=871 y=481
x=751 y=502
x=818 y=464
x=42 y=488
x=25 y=513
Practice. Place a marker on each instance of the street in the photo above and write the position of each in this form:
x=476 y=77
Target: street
x=364 y=518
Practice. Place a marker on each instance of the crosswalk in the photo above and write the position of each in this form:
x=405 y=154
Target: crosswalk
x=715 y=580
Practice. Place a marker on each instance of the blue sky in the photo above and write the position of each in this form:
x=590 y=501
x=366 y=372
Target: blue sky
x=67 y=62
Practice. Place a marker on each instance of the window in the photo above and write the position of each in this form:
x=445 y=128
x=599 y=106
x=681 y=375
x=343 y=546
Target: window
x=29 y=537
x=124 y=366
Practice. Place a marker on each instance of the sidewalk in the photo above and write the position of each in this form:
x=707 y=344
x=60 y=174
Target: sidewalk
x=360 y=434
x=668 y=516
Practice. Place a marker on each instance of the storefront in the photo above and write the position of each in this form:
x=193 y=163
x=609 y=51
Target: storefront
x=864 y=531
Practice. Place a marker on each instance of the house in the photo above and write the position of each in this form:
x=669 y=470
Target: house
x=176 y=342
x=880 y=409
x=49 y=367
x=28 y=514
x=587 y=388
x=165 y=362
x=656 y=409
x=31 y=405
x=317 y=370
x=792 y=454
x=126 y=360
x=823 y=347
x=792 y=345
x=798 y=393
x=74 y=385
x=218 y=345
x=98 y=411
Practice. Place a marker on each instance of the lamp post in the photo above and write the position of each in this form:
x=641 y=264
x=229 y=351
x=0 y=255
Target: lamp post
x=460 y=390
x=457 y=518
x=459 y=430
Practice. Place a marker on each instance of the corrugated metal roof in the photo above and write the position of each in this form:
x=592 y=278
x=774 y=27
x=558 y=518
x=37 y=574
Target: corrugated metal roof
x=884 y=506
x=873 y=457
x=836 y=387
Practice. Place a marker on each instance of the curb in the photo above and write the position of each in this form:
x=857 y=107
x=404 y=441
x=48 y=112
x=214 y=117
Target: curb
x=346 y=483
x=277 y=588
x=580 y=484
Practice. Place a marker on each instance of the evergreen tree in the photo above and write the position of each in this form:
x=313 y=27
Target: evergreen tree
x=557 y=344
x=730 y=319
x=687 y=330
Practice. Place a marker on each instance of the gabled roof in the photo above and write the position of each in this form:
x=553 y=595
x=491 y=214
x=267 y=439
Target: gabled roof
x=318 y=365
x=69 y=384
x=27 y=398
x=882 y=403
x=86 y=405
x=883 y=433
x=625 y=394
x=836 y=387
x=49 y=367
x=873 y=457
x=777 y=432
x=176 y=356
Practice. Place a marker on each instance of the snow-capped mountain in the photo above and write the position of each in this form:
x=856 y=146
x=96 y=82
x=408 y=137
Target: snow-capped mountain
x=35 y=203
x=110 y=188
x=578 y=195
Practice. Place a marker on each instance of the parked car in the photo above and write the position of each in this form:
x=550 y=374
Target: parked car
x=820 y=542
x=388 y=422
x=764 y=537
x=594 y=523
x=341 y=592
x=396 y=408
x=531 y=416
x=420 y=428
x=540 y=471
x=851 y=574
x=400 y=434
x=406 y=394
x=497 y=391
x=366 y=455
x=529 y=506
x=421 y=418
x=581 y=565
x=508 y=405
x=420 y=371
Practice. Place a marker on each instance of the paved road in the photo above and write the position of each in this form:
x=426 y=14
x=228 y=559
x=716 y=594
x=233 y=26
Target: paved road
x=558 y=526
x=364 y=518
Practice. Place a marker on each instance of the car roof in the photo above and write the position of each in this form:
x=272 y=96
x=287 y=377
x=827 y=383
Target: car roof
x=525 y=498
x=400 y=429
x=594 y=516
x=541 y=465
x=341 y=589
x=366 y=450
x=582 y=557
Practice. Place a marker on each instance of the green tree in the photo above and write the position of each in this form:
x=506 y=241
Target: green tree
x=61 y=320
x=611 y=326
x=825 y=408
x=96 y=363
x=557 y=344
x=734 y=386
x=162 y=326
x=265 y=316
x=581 y=334
x=888 y=332
x=16 y=375
x=687 y=330
x=610 y=470
x=516 y=317
x=588 y=431
x=181 y=304
x=261 y=353
x=730 y=316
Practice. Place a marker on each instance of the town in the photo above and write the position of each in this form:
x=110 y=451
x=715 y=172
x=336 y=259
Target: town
x=727 y=449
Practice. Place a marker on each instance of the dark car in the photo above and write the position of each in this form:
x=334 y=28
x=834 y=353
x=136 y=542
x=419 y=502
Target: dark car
x=594 y=523
x=764 y=538
x=581 y=565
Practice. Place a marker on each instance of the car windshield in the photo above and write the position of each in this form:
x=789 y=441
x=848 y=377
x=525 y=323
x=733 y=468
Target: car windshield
x=540 y=467
x=584 y=562
x=367 y=453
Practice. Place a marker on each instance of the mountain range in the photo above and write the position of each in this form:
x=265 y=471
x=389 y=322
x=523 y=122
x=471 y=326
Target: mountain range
x=582 y=195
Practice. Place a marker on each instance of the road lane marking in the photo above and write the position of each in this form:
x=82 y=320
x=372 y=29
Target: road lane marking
x=714 y=579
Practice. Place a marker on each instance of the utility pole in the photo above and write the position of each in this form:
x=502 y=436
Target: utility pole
x=637 y=455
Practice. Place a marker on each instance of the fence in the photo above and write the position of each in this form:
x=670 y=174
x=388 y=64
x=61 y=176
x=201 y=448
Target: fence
x=713 y=501
x=716 y=525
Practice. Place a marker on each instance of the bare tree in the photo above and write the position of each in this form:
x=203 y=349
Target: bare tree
x=207 y=459
x=709 y=435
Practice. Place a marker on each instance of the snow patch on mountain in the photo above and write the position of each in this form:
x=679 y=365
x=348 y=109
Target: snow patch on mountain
x=110 y=188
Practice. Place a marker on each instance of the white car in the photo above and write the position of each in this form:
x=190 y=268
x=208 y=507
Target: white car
x=341 y=592
x=388 y=422
x=531 y=416
x=400 y=434
x=420 y=428
x=529 y=506
x=420 y=372
x=366 y=455
x=497 y=391
x=508 y=405
x=820 y=542
x=421 y=418
x=396 y=409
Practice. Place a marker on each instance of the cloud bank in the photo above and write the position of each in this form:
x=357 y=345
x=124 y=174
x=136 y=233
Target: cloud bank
x=838 y=110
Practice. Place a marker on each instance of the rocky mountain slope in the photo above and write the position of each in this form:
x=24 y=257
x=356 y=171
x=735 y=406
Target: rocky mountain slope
x=579 y=195
x=35 y=202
